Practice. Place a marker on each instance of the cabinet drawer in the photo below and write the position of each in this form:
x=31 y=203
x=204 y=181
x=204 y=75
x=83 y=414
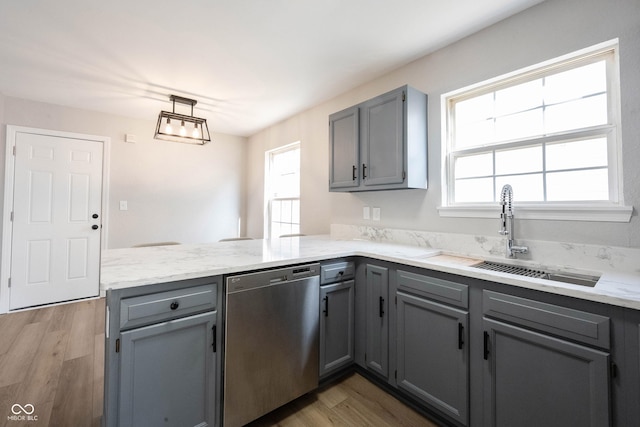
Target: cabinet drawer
x=337 y=272
x=445 y=291
x=163 y=306
x=588 y=328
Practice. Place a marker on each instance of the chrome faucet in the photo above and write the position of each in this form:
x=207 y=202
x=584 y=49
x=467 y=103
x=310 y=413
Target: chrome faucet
x=506 y=219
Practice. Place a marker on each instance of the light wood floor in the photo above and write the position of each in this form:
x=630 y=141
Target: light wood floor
x=53 y=359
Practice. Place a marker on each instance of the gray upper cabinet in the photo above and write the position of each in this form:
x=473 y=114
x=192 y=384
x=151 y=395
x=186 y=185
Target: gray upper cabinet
x=380 y=144
x=344 y=154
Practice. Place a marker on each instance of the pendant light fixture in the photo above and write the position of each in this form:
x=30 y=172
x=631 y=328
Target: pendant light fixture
x=172 y=126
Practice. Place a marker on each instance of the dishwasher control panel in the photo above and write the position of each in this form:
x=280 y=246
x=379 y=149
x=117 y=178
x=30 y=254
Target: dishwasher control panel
x=276 y=276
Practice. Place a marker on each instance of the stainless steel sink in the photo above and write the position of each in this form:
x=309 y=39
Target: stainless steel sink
x=574 y=279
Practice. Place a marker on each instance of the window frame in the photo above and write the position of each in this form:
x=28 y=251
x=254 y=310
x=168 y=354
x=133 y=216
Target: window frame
x=605 y=210
x=269 y=197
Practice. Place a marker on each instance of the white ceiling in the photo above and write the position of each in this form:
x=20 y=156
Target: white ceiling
x=249 y=63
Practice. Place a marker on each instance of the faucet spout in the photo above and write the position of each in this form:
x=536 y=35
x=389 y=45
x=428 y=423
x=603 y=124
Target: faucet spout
x=506 y=223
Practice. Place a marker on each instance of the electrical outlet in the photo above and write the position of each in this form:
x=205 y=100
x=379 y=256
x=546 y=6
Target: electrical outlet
x=365 y=213
x=376 y=214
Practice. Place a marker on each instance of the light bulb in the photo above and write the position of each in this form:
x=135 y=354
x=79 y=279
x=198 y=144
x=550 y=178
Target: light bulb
x=183 y=130
x=168 y=128
x=196 y=132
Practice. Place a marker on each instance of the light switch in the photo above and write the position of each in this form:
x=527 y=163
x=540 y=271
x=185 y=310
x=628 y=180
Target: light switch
x=123 y=205
x=376 y=214
x=365 y=213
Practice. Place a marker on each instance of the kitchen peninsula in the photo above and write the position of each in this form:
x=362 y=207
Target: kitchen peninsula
x=600 y=324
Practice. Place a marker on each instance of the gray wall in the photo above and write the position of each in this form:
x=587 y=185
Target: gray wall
x=175 y=192
x=548 y=30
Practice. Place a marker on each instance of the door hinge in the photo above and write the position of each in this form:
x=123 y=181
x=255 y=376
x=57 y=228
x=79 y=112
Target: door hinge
x=118 y=345
x=614 y=370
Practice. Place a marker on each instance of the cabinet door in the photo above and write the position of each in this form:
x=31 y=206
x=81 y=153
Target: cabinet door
x=377 y=323
x=432 y=354
x=167 y=374
x=344 y=145
x=336 y=326
x=536 y=380
x=383 y=140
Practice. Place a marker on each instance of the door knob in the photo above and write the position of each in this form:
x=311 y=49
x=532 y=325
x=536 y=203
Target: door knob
x=94 y=216
x=94 y=227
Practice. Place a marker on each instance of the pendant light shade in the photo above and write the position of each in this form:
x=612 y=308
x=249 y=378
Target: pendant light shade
x=172 y=126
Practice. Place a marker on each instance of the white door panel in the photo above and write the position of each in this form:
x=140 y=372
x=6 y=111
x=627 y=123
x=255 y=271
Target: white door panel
x=57 y=192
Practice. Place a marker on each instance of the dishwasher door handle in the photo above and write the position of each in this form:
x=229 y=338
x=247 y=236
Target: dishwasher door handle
x=278 y=280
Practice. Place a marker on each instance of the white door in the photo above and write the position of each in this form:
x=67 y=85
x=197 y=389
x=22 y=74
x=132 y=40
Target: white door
x=56 y=228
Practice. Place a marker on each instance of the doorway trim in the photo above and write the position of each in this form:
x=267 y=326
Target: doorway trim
x=9 y=173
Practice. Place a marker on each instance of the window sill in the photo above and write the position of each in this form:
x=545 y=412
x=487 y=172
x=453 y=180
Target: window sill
x=546 y=212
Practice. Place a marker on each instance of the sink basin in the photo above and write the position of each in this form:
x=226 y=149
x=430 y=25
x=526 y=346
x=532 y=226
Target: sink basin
x=555 y=276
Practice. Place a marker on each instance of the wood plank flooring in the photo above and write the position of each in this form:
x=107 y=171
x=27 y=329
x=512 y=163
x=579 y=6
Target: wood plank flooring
x=53 y=359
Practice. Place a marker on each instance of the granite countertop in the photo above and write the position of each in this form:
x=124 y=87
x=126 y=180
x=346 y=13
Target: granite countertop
x=123 y=268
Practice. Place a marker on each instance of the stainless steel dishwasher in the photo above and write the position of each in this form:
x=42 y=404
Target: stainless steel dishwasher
x=271 y=340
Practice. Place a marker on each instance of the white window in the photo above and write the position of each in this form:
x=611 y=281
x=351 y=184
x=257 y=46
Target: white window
x=550 y=131
x=282 y=191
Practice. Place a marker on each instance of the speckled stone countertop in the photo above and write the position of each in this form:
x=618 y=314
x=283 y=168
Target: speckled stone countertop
x=122 y=268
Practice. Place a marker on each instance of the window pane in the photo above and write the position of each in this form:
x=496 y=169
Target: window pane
x=525 y=96
x=276 y=210
x=474 y=166
x=474 y=190
x=286 y=211
x=576 y=83
x=521 y=125
x=526 y=188
x=519 y=160
x=578 y=185
x=586 y=112
x=295 y=211
x=577 y=154
x=474 y=133
x=474 y=109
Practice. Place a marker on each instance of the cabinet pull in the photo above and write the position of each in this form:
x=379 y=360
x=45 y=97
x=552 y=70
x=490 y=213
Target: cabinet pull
x=381 y=306
x=326 y=307
x=486 y=345
x=214 y=337
x=174 y=305
x=364 y=171
x=353 y=172
x=460 y=336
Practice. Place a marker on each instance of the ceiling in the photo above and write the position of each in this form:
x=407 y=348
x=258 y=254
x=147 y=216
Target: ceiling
x=248 y=63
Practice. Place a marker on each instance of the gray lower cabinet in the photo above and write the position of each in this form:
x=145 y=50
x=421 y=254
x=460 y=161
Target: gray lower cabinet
x=432 y=354
x=167 y=373
x=162 y=352
x=533 y=378
x=376 y=355
x=336 y=326
x=432 y=342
